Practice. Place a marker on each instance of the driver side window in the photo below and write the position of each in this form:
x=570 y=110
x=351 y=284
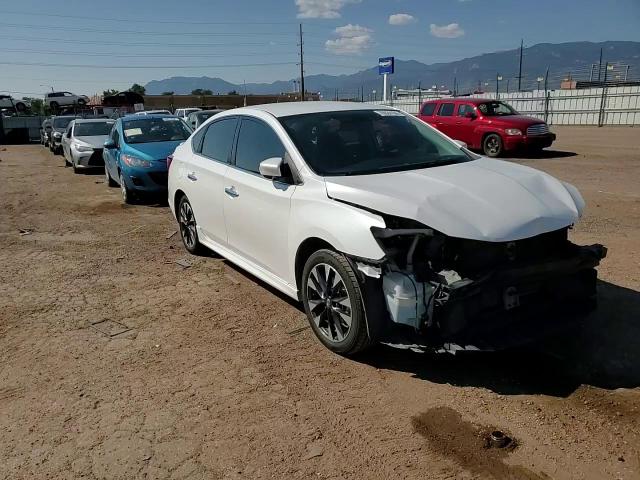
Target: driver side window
x=256 y=142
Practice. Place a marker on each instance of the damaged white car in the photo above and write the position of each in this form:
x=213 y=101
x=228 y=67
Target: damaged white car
x=385 y=229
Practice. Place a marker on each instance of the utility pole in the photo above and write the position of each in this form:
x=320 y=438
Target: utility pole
x=498 y=78
x=302 y=90
x=600 y=65
x=520 y=68
x=626 y=73
x=546 y=95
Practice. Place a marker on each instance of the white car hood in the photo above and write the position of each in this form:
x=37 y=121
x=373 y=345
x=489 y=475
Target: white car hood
x=484 y=199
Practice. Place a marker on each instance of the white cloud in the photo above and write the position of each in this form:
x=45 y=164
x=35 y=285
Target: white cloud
x=453 y=30
x=322 y=8
x=352 y=39
x=401 y=19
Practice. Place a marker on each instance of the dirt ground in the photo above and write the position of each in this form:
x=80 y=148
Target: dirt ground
x=118 y=363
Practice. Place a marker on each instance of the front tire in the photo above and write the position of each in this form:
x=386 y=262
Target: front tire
x=333 y=303
x=107 y=178
x=492 y=145
x=188 y=227
x=127 y=195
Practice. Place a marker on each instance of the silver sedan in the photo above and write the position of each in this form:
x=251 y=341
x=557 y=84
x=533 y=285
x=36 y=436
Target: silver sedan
x=83 y=141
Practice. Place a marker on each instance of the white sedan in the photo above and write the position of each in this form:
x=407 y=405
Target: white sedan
x=385 y=229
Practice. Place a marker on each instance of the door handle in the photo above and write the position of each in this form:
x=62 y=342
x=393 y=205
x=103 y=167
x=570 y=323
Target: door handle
x=192 y=176
x=232 y=192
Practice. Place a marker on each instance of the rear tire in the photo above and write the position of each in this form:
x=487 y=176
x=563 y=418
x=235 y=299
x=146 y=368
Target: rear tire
x=189 y=227
x=81 y=101
x=492 y=145
x=20 y=107
x=333 y=301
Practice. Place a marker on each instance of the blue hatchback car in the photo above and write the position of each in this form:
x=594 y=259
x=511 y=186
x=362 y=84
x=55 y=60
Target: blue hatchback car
x=135 y=154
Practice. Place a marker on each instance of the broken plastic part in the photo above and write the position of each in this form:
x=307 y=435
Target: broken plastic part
x=369 y=270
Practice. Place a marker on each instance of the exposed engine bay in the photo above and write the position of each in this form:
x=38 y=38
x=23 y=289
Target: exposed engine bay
x=469 y=294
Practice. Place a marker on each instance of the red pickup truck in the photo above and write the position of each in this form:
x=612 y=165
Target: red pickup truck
x=488 y=125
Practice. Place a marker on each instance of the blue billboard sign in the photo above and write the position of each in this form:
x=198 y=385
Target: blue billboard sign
x=386 y=65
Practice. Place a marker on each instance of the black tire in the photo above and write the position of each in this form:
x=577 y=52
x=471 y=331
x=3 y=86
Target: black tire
x=107 y=178
x=328 y=310
x=492 y=145
x=188 y=231
x=54 y=105
x=82 y=101
x=20 y=107
x=128 y=196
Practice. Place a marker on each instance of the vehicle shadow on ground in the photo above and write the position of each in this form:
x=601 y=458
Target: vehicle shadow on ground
x=541 y=155
x=604 y=352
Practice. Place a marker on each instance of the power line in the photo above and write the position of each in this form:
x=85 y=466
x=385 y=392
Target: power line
x=139 y=44
x=125 y=67
x=136 y=32
x=129 y=20
x=134 y=55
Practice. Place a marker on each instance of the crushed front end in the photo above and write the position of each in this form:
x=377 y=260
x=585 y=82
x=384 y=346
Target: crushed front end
x=451 y=293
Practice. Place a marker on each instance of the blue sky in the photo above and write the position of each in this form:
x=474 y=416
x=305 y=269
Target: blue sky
x=256 y=40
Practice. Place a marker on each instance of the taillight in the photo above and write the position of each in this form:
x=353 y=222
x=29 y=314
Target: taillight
x=169 y=160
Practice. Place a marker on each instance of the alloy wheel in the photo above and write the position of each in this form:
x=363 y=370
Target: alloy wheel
x=329 y=302
x=188 y=225
x=493 y=146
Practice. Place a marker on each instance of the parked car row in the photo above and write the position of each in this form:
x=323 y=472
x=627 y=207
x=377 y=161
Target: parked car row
x=384 y=228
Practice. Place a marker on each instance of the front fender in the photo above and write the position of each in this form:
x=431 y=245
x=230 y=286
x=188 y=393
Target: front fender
x=345 y=227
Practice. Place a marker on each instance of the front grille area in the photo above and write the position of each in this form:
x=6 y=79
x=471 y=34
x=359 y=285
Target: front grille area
x=161 y=178
x=538 y=129
x=96 y=158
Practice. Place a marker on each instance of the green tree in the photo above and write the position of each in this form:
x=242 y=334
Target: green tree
x=139 y=89
x=200 y=91
x=168 y=93
x=109 y=93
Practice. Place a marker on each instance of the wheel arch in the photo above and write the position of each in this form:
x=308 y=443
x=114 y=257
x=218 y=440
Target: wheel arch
x=177 y=196
x=305 y=250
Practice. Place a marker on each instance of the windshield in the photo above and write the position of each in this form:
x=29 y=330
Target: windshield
x=92 y=129
x=61 y=122
x=367 y=142
x=496 y=109
x=150 y=130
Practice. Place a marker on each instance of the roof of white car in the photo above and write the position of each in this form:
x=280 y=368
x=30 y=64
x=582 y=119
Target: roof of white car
x=94 y=120
x=298 y=108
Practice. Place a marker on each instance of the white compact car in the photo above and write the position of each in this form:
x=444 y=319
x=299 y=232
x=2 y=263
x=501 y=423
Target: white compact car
x=83 y=142
x=385 y=229
x=183 y=113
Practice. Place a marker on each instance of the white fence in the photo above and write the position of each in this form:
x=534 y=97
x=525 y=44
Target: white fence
x=593 y=106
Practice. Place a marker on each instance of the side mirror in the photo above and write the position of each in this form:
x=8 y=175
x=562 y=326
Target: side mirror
x=470 y=115
x=271 y=167
x=109 y=144
x=460 y=143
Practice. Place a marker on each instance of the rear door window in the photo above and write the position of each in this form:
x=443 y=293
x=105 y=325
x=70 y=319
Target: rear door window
x=446 y=109
x=428 y=109
x=218 y=140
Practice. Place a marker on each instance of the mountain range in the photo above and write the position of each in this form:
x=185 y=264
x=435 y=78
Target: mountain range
x=576 y=58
